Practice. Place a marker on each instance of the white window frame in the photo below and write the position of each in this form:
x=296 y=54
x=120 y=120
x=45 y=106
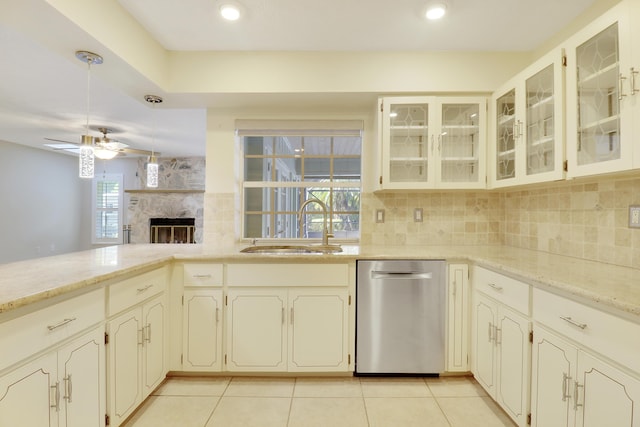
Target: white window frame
x=294 y=128
x=95 y=209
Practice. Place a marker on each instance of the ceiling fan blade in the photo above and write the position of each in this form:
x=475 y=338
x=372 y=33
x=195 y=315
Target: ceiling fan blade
x=140 y=152
x=61 y=140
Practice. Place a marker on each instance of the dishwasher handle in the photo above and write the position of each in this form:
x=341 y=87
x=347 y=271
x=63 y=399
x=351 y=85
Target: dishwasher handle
x=376 y=275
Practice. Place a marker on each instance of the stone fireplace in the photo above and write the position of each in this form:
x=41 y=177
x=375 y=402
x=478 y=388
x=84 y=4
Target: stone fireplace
x=179 y=198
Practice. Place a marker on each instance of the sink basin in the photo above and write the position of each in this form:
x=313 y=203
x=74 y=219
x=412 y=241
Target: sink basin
x=292 y=249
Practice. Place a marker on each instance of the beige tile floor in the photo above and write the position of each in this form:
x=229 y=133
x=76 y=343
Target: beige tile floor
x=326 y=402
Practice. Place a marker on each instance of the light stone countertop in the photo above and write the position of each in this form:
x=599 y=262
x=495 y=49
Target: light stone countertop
x=606 y=286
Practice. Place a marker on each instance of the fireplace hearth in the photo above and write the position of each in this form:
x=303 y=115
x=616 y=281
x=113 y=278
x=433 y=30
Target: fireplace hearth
x=172 y=230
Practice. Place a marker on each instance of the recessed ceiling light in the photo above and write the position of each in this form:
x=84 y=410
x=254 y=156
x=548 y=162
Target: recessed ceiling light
x=230 y=12
x=436 y=11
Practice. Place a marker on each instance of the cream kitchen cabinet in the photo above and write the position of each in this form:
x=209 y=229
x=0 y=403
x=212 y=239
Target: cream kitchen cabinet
x=585 y=369
x=202 y=308
x=292 y=329
x=202 y=330
x=288 y=317
x=137 y=345
x=54 y=374
x=256 y=330
x=458 y=318
x=500 y=342
x=64 y=388
x=602 y=90
x=526 y=140
x=432 y=142
x=318 y=330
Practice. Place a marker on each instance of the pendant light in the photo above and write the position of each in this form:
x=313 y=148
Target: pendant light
x=152 y=166
x=87 y=157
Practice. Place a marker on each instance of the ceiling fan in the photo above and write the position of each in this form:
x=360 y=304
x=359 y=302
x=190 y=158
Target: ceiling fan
x=104 y=147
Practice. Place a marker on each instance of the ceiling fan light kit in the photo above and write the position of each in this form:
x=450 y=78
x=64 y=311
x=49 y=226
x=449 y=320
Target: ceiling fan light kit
x=87 y=157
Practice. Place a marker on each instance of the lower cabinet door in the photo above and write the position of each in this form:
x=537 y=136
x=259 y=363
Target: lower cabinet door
x=81 y=372
x=513 y=364
x=256 y=330
x=125 y=364
x=605 y=396
x=553 y=370
x=202 y=337
x=484 y=348
x=153 y=346
x=318 y=330
x=31 y=394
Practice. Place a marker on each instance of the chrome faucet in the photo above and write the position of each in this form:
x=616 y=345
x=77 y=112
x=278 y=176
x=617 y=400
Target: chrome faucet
x=325 y=229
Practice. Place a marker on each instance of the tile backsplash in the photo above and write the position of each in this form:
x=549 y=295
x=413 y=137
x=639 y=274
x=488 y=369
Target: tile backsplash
x=584 y=219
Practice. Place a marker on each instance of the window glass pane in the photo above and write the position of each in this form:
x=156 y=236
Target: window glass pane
x=107 y=226
x=317 y=169
x=347 y=146
x=346 y=169
x=317 y=146
x=288 y=145
x=257 y=199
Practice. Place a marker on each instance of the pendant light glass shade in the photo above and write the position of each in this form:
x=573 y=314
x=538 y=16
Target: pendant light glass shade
x=152 y=172
x=86 y=158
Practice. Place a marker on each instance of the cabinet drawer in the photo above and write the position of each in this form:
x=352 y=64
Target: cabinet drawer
x=28 y=334
x=509 y=291
x=134 y=290
x=288 y=275
x=202 y=274
x=607 y=334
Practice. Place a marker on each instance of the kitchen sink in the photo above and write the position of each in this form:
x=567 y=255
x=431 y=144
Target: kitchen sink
x=292 y=249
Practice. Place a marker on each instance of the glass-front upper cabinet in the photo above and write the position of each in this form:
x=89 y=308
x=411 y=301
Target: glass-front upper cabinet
x=430 y=142
x=602 y=85
x=527 y=134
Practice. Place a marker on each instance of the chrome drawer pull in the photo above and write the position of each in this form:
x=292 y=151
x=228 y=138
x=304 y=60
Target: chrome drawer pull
x=576 y=386
x=573 y=322
x=565 y=386
x=141 y=290
x=495 y=287
x=62 y=323
x=68 y=388
x=56 y=405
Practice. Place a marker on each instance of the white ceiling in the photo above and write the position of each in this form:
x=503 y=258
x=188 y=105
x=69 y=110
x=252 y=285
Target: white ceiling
x=354 y=25
x=43 y=91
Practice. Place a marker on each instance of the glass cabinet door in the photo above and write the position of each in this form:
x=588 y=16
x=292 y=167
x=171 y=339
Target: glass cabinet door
x=540 y=135
x=458 y=143
x=507 y=131
x=408 y=142
x=598 y=90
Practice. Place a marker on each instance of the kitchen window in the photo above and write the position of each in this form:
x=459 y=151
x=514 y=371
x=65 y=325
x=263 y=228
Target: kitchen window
x=107 y=202
x=286 y=163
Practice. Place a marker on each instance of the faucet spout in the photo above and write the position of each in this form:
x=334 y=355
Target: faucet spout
x=325 y=229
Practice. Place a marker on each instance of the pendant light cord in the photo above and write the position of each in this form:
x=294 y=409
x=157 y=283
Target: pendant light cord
x=89 y=61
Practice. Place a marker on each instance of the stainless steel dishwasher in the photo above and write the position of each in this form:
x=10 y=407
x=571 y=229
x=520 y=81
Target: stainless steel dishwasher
x=400 y=317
